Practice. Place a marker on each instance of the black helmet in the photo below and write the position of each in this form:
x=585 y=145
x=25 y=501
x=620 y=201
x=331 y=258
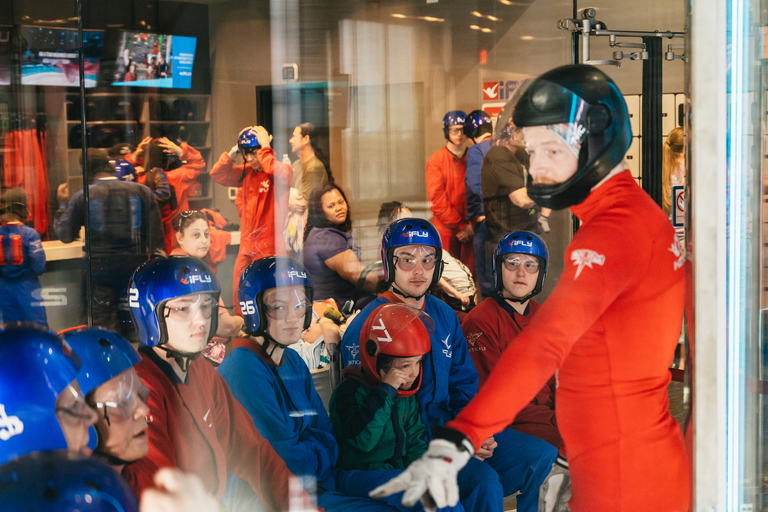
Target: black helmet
x=587 y=109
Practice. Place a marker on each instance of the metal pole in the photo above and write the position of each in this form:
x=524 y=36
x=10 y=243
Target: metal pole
x=652 y=136
x=84 y=154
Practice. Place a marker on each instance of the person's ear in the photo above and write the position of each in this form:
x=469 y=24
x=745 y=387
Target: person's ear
x=179 y=236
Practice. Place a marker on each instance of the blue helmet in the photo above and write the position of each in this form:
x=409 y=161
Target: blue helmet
x=410 y=231
x=451 y=118
x=474 y=120
x=104 y=354
x=160 y=280
x=521 y=242
x=247 y=141
x=263 y=274
x=58 y=481
x=35 y=367
x=124 y=170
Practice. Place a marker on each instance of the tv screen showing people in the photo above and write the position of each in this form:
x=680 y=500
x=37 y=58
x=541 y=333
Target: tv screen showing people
x=154 y=60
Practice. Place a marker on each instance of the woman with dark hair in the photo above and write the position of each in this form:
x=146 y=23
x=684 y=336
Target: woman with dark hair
x=310 y=172
x=331 y=255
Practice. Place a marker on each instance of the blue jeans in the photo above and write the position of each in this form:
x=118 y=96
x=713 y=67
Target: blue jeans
x=483 y=272
x=520 y=463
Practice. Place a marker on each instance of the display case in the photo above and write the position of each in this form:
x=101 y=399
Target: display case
x=132 y=117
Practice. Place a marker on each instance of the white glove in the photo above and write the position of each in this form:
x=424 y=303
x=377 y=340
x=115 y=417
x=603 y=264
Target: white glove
x=555 y=492
x=544 y=223
x=234 y=152
x=431 y=478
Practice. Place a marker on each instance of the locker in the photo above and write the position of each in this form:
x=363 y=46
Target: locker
x=634 y=107
x=668 y=113
x=633 y=158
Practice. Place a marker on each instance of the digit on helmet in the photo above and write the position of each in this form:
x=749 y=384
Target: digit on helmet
x=262 y=275
x=474 y=121
x=36 y=366
x=156 y=282
x=395 y=330
x=585 y=108
x=521 y=242
x=451 y=118
x=60 y=481
x=410 y=231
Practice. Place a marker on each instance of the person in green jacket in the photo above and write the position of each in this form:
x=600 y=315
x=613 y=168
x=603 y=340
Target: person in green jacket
x=376 y=417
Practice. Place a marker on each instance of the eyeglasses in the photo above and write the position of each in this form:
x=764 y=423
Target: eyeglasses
x=74 y=410
x=124 y=409
x=248 y=151
x=408 y=263
x=530 y=266
x=186 y=312
x=281 y=311
x=455 y=131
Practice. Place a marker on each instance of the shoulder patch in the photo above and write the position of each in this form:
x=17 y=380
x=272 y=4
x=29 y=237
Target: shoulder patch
x=586 y=258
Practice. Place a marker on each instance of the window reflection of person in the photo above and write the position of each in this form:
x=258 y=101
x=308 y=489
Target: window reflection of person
x=125 y=229
x=22 y=259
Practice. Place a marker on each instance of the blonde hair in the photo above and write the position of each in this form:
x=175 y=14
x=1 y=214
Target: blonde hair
x=673 y=148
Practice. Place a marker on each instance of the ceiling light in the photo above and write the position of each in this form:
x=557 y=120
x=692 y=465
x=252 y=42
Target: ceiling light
x=493 y=18
x=526 y=38
x=476 y=14
x=474 y=27
x=401 y=16
x=486 y=30
x=430 y=18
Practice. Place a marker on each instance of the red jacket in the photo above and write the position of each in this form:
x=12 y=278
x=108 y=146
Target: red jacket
x=200 y=428
x=181 y=179
x=610 y=326
x=489 y=328
x=266 y=201
x=446 y=189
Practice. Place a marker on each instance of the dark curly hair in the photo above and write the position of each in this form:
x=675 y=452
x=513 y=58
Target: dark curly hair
x=316 y=216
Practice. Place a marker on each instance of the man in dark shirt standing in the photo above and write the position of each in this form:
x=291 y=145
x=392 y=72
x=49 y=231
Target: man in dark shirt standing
x=125 y=229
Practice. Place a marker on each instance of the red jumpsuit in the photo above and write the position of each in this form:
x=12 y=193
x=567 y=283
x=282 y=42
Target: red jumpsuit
x=610 y=327
x=489 y=329
x=448 y=201
x=181 y=179
x=200 y=428
x=265 y=194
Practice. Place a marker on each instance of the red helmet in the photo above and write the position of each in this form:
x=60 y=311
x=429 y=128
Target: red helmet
x=395 y=330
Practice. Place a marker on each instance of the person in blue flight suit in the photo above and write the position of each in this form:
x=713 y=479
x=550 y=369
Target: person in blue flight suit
x=506 y=462
x=22 y=259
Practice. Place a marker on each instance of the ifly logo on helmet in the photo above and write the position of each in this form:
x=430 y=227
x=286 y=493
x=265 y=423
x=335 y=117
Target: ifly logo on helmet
x=416 y=234
x=520 y=242
x=294 y=273
x=196 y=279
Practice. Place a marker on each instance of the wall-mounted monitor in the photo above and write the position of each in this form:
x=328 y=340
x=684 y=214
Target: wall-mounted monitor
x=50 y=56
x=153 y=60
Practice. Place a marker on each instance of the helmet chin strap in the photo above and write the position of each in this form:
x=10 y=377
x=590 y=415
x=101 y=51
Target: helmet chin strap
x=508 y=299
x=269 y=341
x=405 y=295
x=182 y=358
x=111 y=459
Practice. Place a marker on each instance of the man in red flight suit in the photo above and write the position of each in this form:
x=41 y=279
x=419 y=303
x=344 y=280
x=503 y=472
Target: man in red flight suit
x=447 y=191
x=263 y=205
x=609 y=328
x=180 y=177
x=519 y=268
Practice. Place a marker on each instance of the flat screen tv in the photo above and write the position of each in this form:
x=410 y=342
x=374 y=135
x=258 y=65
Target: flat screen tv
x=154 y=60
x=50 y=56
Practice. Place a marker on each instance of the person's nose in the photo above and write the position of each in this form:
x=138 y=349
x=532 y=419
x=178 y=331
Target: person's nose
x=198 y=318
x=521 y=270
x=141 y=411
